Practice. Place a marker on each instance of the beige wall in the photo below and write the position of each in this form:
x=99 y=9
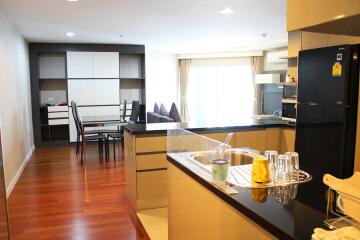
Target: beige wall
x=305 y=13
x=15 y=102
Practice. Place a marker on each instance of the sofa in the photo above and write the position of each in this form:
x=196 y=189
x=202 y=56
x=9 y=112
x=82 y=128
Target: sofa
x=162 y=115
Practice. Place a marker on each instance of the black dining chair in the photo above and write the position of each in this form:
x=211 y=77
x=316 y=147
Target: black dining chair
x=119 y=136
x=90 y=136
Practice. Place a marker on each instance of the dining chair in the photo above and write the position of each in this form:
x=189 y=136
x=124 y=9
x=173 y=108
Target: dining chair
x=119 y=136
x=90 y=136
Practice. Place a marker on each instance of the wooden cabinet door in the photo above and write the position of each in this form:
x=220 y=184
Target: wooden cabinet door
x=255 y=139
x=287 y=140
x=106 y=65
x=80 y=64
x=81 y=91
x=106 y=92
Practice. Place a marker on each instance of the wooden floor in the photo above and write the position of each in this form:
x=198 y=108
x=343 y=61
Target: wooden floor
x=56 y=198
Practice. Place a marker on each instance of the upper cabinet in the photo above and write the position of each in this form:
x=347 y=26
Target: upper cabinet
x=93 y=64
x=52 y=66
x=130 y=66
x=80 y=64
x=106 y=65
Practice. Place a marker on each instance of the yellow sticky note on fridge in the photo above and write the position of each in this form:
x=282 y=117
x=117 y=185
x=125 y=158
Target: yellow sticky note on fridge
x=336 y=69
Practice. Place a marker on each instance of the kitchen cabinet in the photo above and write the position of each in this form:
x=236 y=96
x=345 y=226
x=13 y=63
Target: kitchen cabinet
x=80 y=64
x=81 y=91
x=255 y=139
x=106 y=91
x=197 y=213
x=106 y=64
x=287 y=140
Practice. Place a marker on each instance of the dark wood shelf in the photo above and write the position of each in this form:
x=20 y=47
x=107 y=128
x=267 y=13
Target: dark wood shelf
x=132 y=78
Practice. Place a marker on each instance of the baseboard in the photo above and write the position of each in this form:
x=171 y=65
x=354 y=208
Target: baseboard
x=19 y=172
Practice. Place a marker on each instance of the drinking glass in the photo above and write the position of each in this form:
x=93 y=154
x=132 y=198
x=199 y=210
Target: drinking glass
x=284 y=168
x=294 y=162
x=272 y=156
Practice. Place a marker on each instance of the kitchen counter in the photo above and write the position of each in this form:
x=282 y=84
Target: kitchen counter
x=295 y=219
x=161 y=128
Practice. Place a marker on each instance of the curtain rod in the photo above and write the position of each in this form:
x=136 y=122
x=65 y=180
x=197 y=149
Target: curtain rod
x=220 y=55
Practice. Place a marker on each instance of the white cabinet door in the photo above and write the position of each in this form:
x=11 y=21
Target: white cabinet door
x=107 y=110
x=83 y=111
x=107 y=91
x=106 y=65
x=80 y=64
x=81 y=91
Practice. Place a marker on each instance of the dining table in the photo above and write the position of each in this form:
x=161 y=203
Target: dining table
x=111 y=121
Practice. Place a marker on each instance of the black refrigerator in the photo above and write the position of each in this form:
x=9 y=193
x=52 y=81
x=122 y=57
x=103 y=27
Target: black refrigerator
x=326 y=117
x=326 y=112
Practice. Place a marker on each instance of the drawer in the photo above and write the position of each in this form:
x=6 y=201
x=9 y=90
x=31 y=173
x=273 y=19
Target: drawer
x=151 y=184
x=151 y=144
x=59 y=121
x=58 y=114
x=153 y=161
x=58 y=108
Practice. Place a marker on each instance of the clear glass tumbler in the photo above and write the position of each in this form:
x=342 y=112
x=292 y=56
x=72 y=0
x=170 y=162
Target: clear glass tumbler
x=294 y=158
x=284 y=168
x=272 y=156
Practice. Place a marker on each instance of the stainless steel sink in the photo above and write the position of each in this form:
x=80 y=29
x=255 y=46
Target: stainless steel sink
x=239 y=156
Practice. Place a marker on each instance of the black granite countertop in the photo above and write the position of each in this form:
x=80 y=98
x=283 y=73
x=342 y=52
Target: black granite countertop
x=291 y=219
x=161 y=128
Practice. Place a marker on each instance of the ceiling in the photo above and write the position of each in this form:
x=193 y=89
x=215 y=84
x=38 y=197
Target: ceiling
x=178 y=26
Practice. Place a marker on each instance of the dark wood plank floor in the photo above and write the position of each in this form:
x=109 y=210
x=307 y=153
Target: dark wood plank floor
x=56 y=198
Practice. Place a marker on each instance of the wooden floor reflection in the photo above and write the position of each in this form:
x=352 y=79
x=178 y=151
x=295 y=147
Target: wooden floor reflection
x=56 y=198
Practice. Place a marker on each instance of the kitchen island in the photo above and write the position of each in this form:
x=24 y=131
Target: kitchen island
x=200 y=210
x=146 y=148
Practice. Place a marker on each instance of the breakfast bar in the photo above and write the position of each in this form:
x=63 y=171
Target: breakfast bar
x=146 y=147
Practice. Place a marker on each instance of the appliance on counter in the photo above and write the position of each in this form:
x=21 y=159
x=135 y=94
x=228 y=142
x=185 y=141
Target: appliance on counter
x=267 y=78
x=327 y=110
x=289 y=101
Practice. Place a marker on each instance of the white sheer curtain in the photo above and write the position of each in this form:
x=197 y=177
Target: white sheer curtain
x=184 y=66
x=220 y=91
x=256 y=68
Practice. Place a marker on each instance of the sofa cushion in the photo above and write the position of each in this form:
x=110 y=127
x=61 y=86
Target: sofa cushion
x=163 y=111
x=164 y=119
x=174 y=113
x=153 y=117
x=156 y=108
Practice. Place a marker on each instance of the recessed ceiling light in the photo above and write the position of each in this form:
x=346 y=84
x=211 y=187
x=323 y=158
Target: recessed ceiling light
x=227 y=10
x=72 y=0
x=264 y=35
x=70 y=34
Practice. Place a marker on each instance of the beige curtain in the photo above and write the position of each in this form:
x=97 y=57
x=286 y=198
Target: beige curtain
x=256 y=68
x=184 y=65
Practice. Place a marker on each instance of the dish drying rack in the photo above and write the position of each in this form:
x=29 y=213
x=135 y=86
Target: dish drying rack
x=343 y=202
x=335 y=217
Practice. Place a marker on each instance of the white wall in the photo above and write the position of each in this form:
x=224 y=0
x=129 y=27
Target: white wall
x=15 y=102
x=161 y=79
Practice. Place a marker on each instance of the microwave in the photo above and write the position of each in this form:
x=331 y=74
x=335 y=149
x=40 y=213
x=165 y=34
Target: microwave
x=290 y=91
x=289 y=110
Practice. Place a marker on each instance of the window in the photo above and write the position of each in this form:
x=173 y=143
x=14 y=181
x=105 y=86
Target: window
x=220 y=92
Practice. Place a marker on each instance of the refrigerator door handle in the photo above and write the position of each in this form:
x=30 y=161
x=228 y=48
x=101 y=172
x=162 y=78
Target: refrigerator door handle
x=313 y=104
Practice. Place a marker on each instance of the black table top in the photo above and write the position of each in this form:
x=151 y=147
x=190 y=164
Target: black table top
x=295 y=219
x=161 y=128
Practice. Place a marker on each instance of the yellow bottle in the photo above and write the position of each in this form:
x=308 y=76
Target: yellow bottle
x=260 y=170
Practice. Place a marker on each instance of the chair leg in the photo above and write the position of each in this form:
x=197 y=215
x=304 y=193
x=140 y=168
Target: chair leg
x=77 y=145
x=82 y=152
x=114 y=141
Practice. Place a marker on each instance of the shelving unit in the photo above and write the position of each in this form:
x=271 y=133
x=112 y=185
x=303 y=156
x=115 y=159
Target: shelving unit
x=58 y=72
